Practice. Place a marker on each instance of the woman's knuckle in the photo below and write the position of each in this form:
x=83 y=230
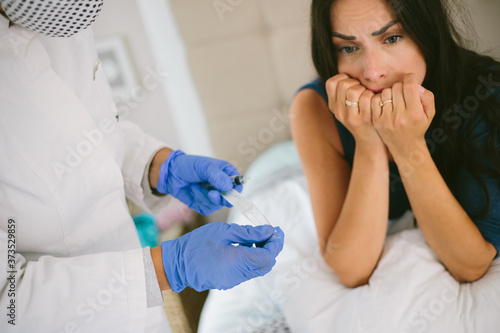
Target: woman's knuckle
x=351 y=95
x=360 y=90
x=331 y=85
x=331 y=81
x=399 y=122
x=387 y=91
x=343 y=84
x=398 y=86
x=366 y=96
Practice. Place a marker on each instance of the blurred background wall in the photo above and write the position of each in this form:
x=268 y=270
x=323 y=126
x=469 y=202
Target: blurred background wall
x=225 y=69
x=485 y=16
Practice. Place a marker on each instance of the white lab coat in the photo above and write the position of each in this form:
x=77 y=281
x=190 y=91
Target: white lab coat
x=66 y=165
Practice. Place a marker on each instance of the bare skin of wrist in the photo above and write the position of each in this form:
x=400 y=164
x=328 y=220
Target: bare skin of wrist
x=156 y=254
x=155 y=167
x=157 y=257
x=410 y=154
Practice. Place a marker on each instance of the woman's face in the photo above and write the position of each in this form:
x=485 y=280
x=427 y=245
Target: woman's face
x=371 y=45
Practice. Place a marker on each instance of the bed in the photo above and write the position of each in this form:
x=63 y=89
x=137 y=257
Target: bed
x=410 y=291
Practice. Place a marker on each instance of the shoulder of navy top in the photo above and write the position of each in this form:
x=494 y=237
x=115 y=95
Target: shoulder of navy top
x=316 y=85
x=348 y=142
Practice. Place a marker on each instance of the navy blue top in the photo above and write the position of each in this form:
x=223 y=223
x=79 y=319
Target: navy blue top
x=467 y=191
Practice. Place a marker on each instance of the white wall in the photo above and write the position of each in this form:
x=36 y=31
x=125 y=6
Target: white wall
x=485 y=16
x=169 y=51
x=163 y=103
x=149 y=108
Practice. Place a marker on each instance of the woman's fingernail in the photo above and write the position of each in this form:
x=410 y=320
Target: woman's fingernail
x=422 y=89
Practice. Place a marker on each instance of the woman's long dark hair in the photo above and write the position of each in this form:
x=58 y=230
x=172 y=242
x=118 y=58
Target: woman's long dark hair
x=455 y=75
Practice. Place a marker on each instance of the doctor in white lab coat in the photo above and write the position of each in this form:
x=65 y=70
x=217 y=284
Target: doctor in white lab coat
x=68 y=245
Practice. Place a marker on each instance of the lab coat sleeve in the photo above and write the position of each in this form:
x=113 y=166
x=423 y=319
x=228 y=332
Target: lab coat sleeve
x=92 y=293
x=139 y=150
x=154 y=295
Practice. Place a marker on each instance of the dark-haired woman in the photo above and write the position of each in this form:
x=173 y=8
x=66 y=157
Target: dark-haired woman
x=415 y=125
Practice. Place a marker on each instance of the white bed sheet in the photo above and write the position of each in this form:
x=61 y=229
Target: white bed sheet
x=409 y=292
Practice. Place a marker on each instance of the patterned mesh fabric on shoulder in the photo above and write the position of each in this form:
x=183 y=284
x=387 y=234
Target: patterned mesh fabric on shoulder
x=54 y=18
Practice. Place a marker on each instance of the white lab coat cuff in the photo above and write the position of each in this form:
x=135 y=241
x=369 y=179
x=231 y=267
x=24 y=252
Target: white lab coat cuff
x=154 y=295
x=136 y=289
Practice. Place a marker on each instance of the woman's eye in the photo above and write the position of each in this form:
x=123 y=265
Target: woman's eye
x=348 y=49
x=393 y=39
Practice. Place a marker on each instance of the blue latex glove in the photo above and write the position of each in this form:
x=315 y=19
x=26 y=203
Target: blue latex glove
x=206 y=259
x=188 y=178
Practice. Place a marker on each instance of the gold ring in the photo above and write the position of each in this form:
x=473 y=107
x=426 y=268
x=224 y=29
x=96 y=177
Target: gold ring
x=349 y=103
x=385 y=102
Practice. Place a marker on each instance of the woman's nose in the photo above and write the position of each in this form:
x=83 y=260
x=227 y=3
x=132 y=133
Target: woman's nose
x=375 y=68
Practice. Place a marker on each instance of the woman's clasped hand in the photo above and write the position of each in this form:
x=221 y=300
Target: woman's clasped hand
x=397 y=117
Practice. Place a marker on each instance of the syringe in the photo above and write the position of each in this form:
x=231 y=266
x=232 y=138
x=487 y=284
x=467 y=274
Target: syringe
x=246 y=207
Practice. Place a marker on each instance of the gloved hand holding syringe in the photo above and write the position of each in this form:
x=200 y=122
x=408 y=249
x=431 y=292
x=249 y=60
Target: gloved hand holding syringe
x=245 y=206
x=216 y=255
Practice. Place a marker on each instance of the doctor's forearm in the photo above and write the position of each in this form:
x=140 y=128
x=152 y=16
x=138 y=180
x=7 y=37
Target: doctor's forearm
x=155 y=167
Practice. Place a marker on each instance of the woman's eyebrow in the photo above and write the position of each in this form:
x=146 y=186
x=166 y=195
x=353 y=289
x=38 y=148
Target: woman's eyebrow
x=385 y=28
x=376 y=33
